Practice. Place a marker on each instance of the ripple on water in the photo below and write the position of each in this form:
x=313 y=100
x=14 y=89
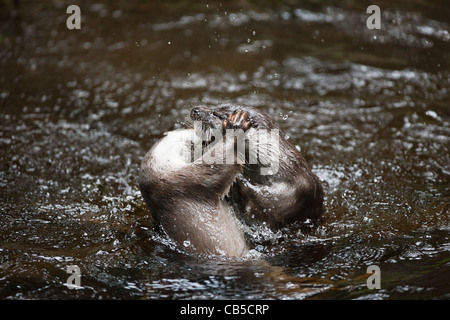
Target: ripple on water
x=368 y=111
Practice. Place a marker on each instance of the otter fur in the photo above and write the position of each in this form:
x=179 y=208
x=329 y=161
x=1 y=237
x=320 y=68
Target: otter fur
x=201 y=205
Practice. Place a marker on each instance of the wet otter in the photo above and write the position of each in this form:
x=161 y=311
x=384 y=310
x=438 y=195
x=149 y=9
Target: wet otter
x=191 y=199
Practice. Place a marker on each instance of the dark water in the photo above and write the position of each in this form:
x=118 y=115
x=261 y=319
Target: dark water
x=370 y=110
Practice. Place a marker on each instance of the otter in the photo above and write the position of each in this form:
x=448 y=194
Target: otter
x=202 y=205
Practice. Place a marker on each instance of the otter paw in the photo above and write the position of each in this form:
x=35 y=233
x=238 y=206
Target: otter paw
x=237 y=120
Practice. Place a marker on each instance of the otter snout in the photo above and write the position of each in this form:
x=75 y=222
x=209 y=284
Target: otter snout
x=201 y=114
x=207 y=117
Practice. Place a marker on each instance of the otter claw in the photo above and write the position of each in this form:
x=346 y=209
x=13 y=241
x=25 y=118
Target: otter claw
x=236 y=120
x=242 y=118
x=246 y=125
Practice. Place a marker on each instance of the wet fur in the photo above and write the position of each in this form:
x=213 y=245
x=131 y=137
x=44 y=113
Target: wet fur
x=188 y=198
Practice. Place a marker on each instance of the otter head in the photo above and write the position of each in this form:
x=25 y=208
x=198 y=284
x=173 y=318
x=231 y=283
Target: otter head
x=257 y=142
x=212 y=124
x=215 y=117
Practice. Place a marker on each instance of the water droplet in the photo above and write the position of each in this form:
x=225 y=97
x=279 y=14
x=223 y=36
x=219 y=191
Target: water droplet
x=186 y=243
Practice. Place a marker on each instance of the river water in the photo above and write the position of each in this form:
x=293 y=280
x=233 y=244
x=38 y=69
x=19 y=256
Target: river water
x=369 y=109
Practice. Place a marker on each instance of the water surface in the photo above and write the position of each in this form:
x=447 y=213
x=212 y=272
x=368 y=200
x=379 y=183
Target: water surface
x=369 y=109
